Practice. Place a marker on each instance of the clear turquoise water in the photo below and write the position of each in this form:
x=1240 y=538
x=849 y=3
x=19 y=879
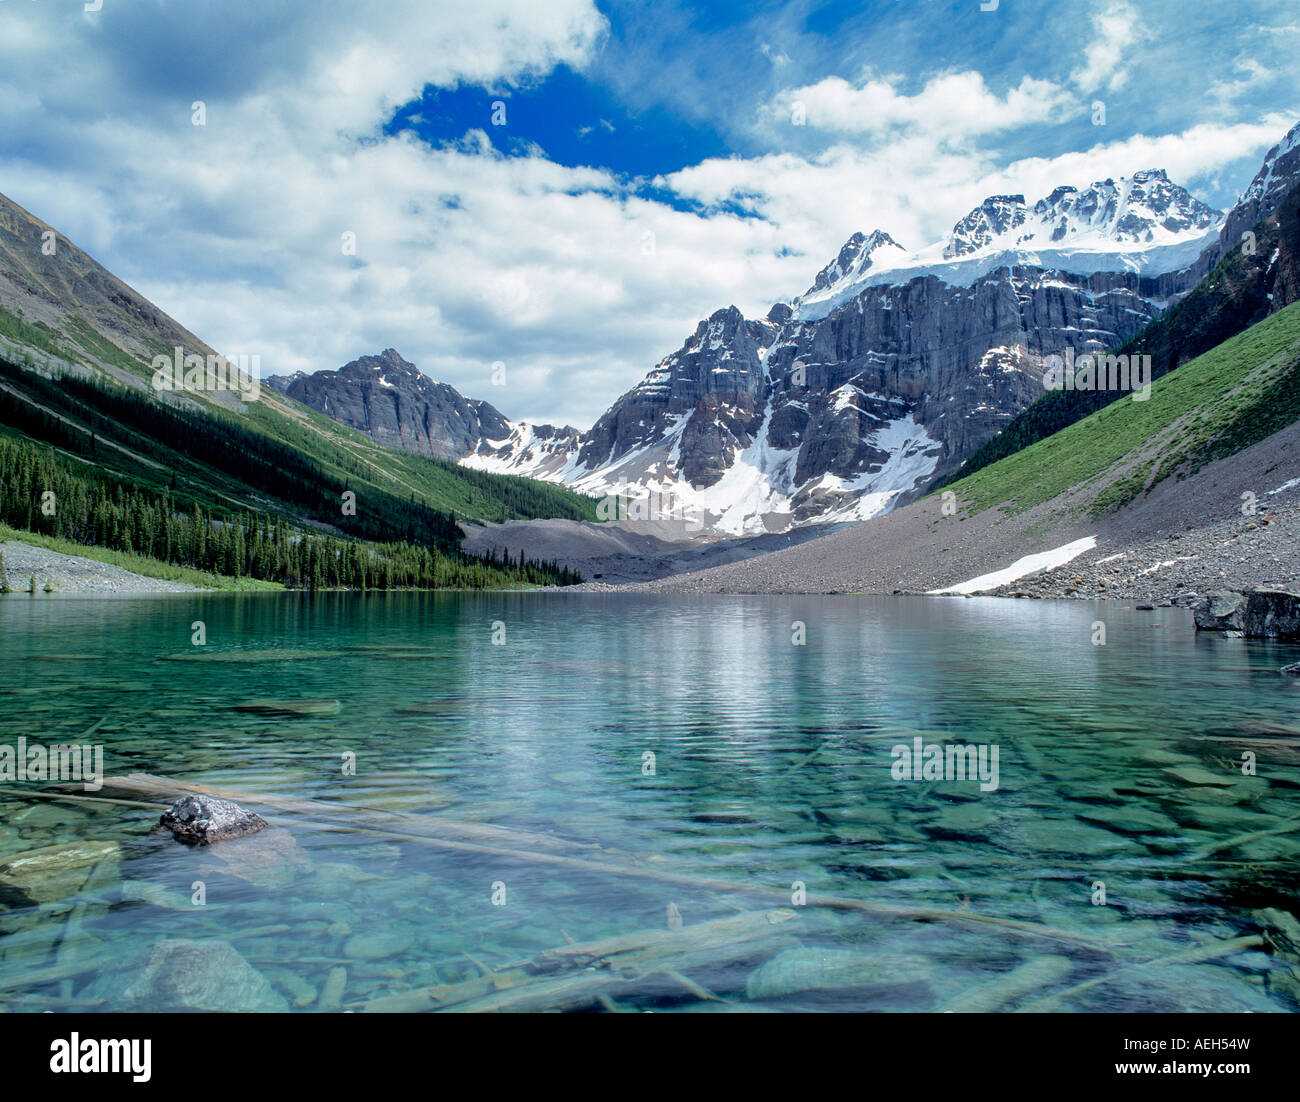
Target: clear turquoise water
x=772 y=765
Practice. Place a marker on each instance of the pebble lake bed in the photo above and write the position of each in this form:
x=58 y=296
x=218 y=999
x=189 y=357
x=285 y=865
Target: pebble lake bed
x=532 y=801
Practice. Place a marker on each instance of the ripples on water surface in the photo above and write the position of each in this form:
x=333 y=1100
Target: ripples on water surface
x=771 y=766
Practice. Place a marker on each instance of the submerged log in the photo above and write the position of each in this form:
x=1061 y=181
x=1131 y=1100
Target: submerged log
x=574 y=976
x=164 y=789
x=1196 y=955
x=498 y=842
x=1030 y=976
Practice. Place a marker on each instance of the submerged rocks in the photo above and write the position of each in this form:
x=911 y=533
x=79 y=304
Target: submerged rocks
x=796 y=970
x=205 y=820
x=201 y=975
x=269 y=859
x=1257 y=613
x=53 y=873
x=379 y=944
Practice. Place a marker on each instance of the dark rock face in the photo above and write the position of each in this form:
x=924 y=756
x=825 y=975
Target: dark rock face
x=1272 y=614
x=203 y=820
x=960 y=362
x=1278 y=175
x=396 y=404
x=1225 y=611
x=1257 y=613
x=717 y=372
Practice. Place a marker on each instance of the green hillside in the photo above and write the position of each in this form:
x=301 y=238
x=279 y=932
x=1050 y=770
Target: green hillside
x=275 y=421
x=1227 y=399
x=1231 y=298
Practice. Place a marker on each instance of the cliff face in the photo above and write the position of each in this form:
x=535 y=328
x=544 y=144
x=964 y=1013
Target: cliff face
x=396 y=404
x=756 y=426
x=888 y=372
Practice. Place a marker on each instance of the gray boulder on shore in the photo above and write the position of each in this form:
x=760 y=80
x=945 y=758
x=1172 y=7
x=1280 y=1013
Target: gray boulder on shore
x=1257 y=613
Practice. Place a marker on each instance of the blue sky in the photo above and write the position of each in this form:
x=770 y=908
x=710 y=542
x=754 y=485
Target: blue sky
x=648 y=172
x=671 y=85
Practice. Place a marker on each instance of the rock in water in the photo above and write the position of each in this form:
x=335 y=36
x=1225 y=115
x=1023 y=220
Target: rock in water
x=1272 y=614
x=203 y=820
x=201 y=975
x=1292 y=670
x=1223 y=611
x=797 y=970
x=53 y=873
x=1258 y=613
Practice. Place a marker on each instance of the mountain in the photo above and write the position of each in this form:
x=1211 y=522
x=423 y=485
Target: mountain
x=889 y=372
x=1159 y=501
x=397 y=405
x=144 y=455
x=1255 y=276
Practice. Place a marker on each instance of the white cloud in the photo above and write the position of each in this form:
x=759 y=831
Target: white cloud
x=466 y=257
x=950 y=105
x=1117 y=32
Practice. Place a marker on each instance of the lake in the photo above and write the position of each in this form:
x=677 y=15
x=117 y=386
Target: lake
x=744 y=789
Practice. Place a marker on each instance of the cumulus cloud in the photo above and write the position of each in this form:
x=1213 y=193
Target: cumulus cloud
x=576 y=279
x=950 y=105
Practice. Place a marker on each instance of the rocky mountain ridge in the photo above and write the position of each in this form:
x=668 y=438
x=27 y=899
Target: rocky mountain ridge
x=889 y=371
x=393 y=401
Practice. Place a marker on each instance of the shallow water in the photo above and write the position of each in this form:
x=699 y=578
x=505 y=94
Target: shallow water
x=771 y=768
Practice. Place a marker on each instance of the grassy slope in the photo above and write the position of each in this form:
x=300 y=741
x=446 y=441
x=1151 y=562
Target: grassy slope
x=1231 y=298
x=338 y=450
x=1225 y=400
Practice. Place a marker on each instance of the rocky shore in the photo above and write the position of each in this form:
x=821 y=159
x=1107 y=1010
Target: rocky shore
x=1259 y=552
x=58 y=573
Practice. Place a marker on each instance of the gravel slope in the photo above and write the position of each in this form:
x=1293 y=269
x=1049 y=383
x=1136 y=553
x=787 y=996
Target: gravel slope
x=617 y=553
x=1185 y=537
x=75 y=574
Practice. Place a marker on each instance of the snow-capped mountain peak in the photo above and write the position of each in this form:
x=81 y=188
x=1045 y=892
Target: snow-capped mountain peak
x=861 y=253
x=1277 y=174
x=1143 y=223
x=1143 y=209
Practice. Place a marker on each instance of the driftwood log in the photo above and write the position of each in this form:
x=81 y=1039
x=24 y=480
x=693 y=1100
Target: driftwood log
x=546 y=850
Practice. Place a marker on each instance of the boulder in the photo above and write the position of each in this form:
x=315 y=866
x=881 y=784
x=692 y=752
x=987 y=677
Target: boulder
x=201 y=975
x=53 y=873
x=1223 y=611
x=1292 y=670
x=205 y=820
x=798 y=970
x=1272 y=614
x=1255 y=613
